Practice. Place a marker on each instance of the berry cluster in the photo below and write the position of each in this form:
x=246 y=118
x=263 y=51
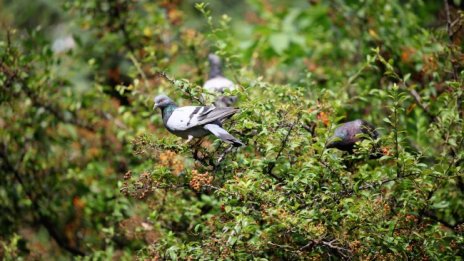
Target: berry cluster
x=198 y=180
x=140 y=188
x=171 y=160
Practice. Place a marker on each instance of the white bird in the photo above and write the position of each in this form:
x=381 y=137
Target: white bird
x=195 y=121
x=217 y=83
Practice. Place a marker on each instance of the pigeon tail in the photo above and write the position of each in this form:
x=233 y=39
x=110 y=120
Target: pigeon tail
x=223 y=134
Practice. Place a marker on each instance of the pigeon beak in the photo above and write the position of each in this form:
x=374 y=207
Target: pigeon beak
x=155 y=106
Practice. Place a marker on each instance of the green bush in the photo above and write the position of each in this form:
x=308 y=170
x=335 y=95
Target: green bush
x=89 y=170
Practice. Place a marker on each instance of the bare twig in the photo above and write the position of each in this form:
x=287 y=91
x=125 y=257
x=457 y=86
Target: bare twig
x=222 y=156
x=418 y=101
x=375 y=185
x=281 y=246
x=187 y=91
x=448 y=19
x=139 y=69
x=283 y=144
x=340 y=250
x=163 y=75
x=395 y=132
x=428 y=213
x=310 y=245
x=332 y=244
x=449 y=26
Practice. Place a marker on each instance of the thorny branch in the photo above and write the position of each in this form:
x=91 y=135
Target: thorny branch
x=396 y=138
x=187 y=91
x=428 y=213
x=449 y=26
x=223 y=155
x=139 y=69
x=283 y=144
x=332 y=245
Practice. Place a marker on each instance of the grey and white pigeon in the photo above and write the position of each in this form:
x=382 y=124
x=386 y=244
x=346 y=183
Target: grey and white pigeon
x=191 y=122
x=346 y=135
x=217 y=83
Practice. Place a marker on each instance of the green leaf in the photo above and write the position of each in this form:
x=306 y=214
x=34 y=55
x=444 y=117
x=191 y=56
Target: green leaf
x=279 y=42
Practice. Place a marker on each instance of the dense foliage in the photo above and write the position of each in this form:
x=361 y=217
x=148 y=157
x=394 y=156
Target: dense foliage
x=89 y=172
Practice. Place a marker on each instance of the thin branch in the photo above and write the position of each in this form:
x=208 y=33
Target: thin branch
x=285 y=140
x=397 y=149
x=223 y=155
x=139 y=69
x=187 y=91
x=428 y=213
x=163 y=75
x=450 y=36
x=418 y=100
x=375 y=185
x=342 y=251
x=281 y=246
x=448 y=19
x=283 y=144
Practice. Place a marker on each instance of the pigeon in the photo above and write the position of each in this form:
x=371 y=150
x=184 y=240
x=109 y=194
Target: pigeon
x=346 y=136
x=217 y=83
x=191 y=122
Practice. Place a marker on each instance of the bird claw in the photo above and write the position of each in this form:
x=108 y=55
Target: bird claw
x=189 y=139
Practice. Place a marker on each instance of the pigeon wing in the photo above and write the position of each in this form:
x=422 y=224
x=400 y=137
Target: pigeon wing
x=216 y=114
x=188 y=117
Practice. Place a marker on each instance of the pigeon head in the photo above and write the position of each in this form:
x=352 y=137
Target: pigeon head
x=214 y=59
x=349 y=133
x=162 y=101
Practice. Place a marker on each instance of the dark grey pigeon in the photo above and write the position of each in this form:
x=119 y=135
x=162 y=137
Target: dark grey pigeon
x=346 y=136
x=195 y=121
x=217 y=83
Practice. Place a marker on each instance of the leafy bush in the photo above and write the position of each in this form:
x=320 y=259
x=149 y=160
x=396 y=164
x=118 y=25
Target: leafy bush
x=86 y=160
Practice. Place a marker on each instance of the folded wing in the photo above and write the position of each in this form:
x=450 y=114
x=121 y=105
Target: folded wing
x=188 y=117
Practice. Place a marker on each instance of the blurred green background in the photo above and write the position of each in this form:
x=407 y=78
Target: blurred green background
x=88 y=172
